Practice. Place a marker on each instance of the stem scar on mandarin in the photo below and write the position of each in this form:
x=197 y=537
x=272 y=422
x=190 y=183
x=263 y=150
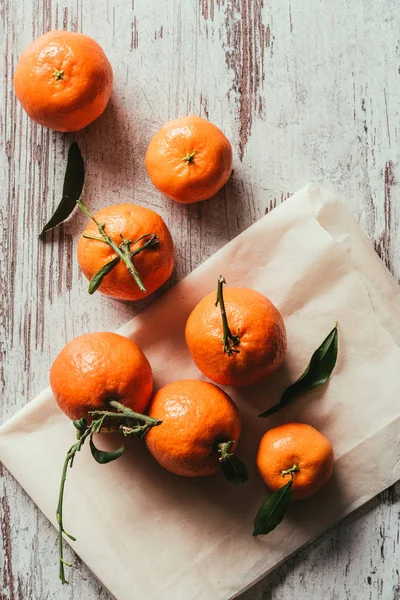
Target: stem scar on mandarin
x=58 y=74
x=189 y=158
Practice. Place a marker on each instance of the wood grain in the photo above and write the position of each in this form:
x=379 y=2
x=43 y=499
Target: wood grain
x=305 y=91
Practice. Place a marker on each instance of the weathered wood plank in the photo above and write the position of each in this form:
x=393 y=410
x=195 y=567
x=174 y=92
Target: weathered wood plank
x=305 y=91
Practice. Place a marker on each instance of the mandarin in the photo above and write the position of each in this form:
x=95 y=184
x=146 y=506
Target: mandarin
x=189 y=159
x=96 y=368
x=297 y=450
x=238 y=339
x=200 y=427
x=63 y=80
x=146 y=243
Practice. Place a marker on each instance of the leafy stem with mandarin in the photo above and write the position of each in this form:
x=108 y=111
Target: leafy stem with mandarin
x=58 y=74
x=128 y=422
x=229 y=340
x=123 y=252
x=274 y=508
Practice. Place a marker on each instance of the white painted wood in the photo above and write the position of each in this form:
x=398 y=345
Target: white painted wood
x=305 y=90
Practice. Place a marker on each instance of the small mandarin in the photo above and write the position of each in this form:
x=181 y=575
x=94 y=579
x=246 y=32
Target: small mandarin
x=63 y=80
x=189 y=159
x=197 y=417
x=98 y=367
x=238 y=341
x=138 y=225
x=295 y=445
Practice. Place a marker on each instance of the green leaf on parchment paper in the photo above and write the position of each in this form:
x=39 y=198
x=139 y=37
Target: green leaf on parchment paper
x=234 y=469
x=102 y=456
x=73 y=185
x=273 y=510
x=317 y=372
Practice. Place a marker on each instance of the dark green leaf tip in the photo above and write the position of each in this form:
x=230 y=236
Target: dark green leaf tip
x=234 y=469
x=72 y=189
x=273 y=510
x=317 y=372
x=103 y=457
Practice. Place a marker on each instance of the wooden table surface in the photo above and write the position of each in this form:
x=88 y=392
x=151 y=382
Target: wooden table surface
x=305 y=90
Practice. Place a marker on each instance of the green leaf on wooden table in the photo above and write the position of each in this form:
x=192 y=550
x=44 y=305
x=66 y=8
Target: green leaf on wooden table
x=317 y=372
x=103 y=457
x=98 y=277
x=234 y=469
x=273 y=510
x=73 y=185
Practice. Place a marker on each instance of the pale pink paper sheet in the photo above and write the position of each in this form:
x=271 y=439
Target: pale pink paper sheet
x=149 y=535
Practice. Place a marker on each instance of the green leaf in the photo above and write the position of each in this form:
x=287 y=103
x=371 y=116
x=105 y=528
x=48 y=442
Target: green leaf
x=80 y=424
x=273 y=510
x=316 y=373
x=234 y=469
x=103 y=457
x=73 y=185
x=97 y=279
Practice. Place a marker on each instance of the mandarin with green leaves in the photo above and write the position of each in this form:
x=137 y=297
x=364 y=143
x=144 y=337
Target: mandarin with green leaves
x=126 y=251
x=103 y=382
x=295 y=461
x=300 y=447
x=96 y=368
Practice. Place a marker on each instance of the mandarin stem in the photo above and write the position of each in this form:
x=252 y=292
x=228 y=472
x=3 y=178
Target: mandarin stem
x=153 y=241
x=93 y=237
x=69 y=459
x=229 y=340
x=290 y=471
x=84 y=430
x=60 y=519
x=189 y=158
x=224 y=449
x=132 y=414
x=58 y=74
x=126 y=413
